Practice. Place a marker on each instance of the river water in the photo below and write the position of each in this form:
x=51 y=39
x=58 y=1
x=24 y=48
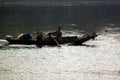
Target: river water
x=97 y=59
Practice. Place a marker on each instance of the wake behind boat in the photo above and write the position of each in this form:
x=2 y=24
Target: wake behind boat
x=49 y=41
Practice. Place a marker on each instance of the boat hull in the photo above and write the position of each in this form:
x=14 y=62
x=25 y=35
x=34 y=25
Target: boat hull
x=49 y=41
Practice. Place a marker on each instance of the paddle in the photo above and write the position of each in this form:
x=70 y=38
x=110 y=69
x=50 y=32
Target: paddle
x=55 y=41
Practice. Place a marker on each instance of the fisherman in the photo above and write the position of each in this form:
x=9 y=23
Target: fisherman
x=39 y=36
x=57 y=34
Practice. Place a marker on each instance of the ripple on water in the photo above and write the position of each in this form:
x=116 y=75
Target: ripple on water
x=95 y=60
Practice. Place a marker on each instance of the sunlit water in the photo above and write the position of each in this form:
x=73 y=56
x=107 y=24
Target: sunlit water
x=98 y=59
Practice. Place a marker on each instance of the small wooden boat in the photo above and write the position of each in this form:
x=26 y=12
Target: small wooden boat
x=49 y=41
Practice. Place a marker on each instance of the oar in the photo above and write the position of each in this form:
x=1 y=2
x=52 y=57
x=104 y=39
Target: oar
x=55 y=41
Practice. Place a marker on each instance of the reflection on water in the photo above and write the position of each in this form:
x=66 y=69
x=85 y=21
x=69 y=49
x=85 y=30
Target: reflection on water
x=96 y=60
x=25 y=19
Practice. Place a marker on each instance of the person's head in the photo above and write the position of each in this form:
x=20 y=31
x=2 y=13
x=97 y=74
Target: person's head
x=41 y=33
x=38 y=32
x=59 y=28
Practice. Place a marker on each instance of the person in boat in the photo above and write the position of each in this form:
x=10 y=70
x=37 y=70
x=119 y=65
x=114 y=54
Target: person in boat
x=39 y=36
x=25 y=36
x=57 y=34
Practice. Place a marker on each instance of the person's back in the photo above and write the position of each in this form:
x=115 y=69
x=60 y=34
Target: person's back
x=40 y=36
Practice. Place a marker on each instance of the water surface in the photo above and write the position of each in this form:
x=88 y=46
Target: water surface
x=97 y=59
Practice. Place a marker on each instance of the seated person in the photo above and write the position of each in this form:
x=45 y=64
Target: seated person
x=39 y=36
x=57 y=34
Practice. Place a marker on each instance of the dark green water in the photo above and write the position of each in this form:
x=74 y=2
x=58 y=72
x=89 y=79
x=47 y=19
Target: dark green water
x=18 y=19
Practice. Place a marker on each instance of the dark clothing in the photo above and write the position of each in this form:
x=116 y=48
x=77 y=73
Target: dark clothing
x=25 y=37
x=39 y=38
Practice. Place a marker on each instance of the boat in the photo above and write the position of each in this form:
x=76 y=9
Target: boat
x=76 y=40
